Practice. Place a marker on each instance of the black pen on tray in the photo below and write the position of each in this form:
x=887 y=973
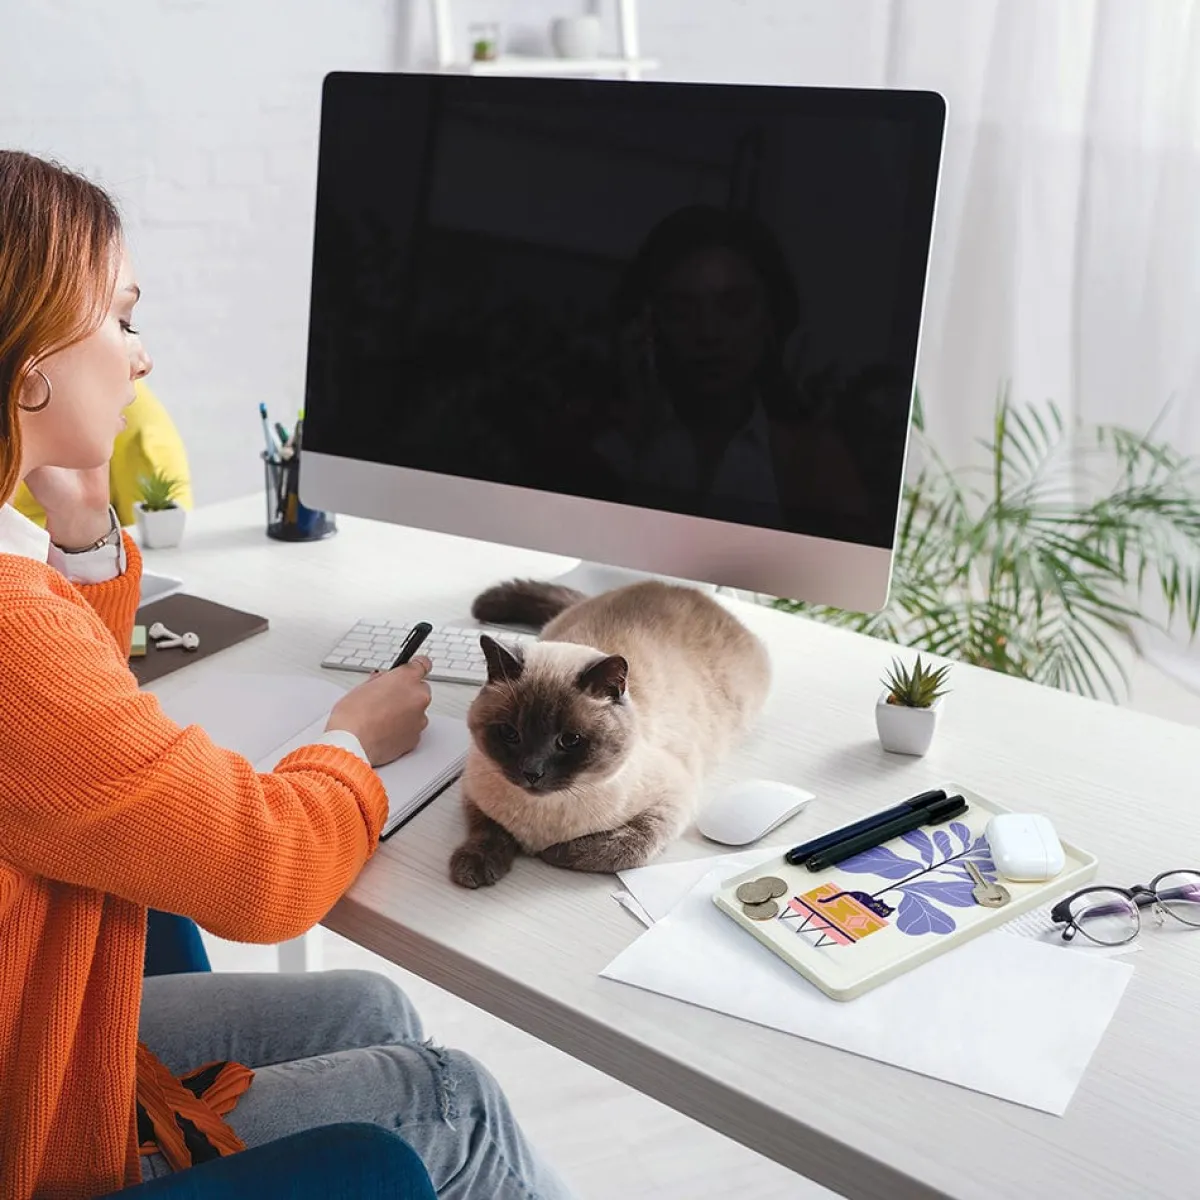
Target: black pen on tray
x=799 y=855
x=935 y=814
x=412 y=643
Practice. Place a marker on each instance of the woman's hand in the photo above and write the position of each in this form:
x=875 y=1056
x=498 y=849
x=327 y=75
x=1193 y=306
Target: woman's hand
x=387 y=713
x=76 y=503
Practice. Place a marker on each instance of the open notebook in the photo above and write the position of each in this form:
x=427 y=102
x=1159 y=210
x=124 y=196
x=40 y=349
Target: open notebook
x=264 y=717
x=412 y=781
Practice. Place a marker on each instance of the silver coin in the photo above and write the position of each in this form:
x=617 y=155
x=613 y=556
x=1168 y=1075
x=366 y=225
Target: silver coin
x=761 y=912
x=778 y=887
x=754 y=892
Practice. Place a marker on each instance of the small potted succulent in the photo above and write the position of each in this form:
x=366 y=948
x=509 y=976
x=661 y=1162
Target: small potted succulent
x=906 y=714
x=485 y=41
x=160 y=518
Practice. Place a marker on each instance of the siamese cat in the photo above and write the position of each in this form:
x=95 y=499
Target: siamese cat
x=589 y=746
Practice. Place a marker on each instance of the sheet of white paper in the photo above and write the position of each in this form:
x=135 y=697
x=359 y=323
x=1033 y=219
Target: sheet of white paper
x=1001 y=1014
x=252 y=714
x=631 y=906
x=1036 y=924
x=660 y=887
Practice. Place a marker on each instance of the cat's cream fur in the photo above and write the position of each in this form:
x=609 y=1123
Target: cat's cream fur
x=696 y=679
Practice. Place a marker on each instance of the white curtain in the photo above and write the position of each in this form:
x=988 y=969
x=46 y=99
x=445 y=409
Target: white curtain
x=1067 y=248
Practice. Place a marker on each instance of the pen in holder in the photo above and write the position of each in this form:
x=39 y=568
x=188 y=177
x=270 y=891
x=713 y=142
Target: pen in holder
x=287 y=519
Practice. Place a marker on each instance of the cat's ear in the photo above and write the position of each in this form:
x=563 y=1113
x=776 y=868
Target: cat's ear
x=504 y=665
x=606 y=677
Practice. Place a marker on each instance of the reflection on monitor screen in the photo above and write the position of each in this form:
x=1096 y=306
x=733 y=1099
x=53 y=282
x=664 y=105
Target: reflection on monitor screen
x=690 y=304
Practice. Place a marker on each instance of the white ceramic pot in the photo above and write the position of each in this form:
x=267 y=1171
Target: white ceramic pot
x=576 y=37
x=905 y=730
x=160 y=528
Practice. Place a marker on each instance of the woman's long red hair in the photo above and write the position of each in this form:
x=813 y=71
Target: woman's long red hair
x=58 y=240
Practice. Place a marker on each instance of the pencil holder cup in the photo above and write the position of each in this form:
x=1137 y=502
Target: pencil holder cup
x=287 y=519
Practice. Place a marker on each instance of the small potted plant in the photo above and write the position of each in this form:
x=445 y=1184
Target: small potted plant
x=485 y=41
x=906 y=714
x=160 y=519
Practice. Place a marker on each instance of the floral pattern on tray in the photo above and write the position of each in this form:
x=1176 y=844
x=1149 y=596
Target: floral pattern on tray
x=923 y=887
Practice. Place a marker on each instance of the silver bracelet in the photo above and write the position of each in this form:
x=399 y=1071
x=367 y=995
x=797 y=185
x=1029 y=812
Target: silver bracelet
x=111 y=538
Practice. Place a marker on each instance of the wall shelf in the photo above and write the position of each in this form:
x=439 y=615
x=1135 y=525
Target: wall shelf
x=627 y=63
x=529 y=64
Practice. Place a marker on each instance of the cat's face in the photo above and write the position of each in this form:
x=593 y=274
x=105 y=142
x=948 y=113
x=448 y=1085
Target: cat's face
x=548 y=731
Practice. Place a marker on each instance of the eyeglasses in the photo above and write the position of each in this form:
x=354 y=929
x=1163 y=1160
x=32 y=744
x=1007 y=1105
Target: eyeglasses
x=1111 y=916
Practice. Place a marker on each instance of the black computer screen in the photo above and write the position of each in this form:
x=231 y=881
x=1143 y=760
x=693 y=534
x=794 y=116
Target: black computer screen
x=697 y=298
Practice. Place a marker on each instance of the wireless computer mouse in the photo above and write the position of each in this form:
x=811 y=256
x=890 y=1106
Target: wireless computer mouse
x=749 y=810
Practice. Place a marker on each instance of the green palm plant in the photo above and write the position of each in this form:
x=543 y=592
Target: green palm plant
x=1034 y=565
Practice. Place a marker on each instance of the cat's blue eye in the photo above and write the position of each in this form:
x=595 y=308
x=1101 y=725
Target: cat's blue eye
x=509 y=734
x=568 y=741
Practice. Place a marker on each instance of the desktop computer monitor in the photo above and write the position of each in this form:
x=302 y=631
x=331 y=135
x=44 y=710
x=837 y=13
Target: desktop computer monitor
x=665 y=327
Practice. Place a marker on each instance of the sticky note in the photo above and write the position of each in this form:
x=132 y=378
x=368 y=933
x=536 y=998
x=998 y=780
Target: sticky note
x=137 y=647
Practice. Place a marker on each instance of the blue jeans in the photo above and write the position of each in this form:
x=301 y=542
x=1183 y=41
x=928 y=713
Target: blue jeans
x=338 y=1046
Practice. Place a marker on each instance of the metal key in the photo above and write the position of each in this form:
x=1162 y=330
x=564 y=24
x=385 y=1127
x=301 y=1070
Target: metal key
x=990 y=895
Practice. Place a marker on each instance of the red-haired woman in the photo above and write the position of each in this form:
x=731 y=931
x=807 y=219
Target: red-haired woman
x=107 y=808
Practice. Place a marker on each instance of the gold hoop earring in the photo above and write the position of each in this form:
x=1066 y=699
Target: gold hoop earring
x=49 y=393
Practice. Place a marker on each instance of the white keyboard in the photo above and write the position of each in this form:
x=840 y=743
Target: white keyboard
x=453 y=649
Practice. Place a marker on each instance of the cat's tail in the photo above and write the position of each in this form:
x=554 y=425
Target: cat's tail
x=524 y=602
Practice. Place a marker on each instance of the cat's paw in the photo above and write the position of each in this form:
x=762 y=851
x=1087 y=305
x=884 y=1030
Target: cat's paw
x=562 y=854
x=630 y=845
x=473 y=867
x=598 y=852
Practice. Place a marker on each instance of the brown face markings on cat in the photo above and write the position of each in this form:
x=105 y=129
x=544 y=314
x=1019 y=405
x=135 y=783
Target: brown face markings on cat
x=548 y=734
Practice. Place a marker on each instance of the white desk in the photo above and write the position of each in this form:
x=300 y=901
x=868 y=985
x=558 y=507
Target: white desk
x=529 y=950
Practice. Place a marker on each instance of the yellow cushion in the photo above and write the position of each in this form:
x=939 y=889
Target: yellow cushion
x=149 y=442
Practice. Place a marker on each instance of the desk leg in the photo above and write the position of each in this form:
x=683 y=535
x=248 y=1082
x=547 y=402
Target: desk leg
x=302 y=953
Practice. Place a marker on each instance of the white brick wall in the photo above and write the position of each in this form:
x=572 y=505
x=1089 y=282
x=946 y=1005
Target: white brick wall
x=201 y=116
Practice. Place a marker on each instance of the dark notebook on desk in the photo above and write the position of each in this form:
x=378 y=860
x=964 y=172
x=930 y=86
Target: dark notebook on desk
x=216 y=625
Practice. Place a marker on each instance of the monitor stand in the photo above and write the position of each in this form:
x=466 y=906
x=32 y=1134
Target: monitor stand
x=593 y=578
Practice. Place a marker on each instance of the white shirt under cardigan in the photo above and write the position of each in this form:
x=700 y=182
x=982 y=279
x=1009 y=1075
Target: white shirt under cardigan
x=20 y=536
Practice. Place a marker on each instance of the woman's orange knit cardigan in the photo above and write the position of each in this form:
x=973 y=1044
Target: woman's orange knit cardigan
x=107 y=808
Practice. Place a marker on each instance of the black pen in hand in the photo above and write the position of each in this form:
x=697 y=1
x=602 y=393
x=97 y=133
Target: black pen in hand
x=412 y=643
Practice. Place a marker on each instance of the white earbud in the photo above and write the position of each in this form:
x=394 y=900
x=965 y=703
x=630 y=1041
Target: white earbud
x=189 y=641
x=159 y=630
